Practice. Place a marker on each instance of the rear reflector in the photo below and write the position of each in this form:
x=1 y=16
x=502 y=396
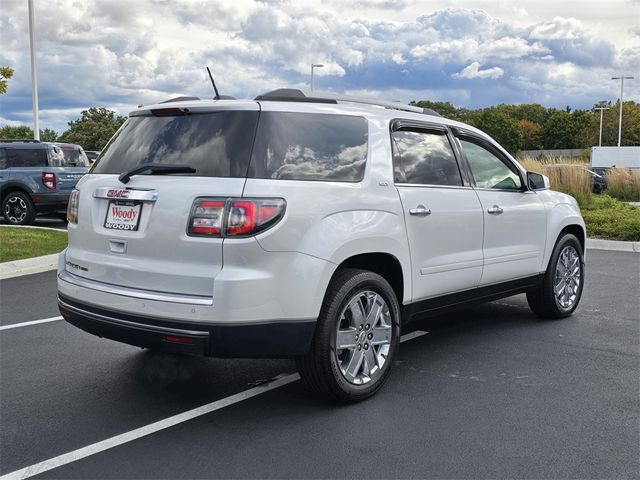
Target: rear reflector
x=176 y=339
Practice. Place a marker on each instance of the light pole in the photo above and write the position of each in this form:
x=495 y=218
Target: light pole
x=602 y=109
x=314 y=65
x=34 y=75
x=622 y=78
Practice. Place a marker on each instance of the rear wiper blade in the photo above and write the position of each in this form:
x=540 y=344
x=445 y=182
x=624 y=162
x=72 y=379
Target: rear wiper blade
x=156 y=168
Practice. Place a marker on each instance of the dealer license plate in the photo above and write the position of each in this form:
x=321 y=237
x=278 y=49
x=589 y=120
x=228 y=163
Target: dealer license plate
x=123 y=215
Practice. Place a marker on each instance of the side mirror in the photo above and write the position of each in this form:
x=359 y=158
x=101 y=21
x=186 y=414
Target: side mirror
x=537 y=181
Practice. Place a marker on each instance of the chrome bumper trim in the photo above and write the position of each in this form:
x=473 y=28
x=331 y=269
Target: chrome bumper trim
x=132 y=292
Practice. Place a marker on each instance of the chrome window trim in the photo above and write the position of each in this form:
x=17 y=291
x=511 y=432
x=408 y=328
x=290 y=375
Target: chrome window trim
x=424 y=185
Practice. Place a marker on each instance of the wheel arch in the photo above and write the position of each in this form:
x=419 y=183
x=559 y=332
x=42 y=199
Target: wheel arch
x=13 y=187
x=563 y=218
x=384 y=264
x=579 y=233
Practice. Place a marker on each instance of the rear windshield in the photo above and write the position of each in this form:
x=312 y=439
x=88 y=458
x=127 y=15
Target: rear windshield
x=288 y=146
x=310 y=146
x=214 y=144
x=72 y=157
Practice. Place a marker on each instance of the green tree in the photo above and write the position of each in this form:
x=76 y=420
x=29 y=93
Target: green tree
x=557 y=131
x=630 y=124
x=503 y=128
x=530 y=133
x=93 y=129
x=22 y=132
x=5 y=74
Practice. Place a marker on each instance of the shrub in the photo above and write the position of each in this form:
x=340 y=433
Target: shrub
x=624 y=184
x=607 y=217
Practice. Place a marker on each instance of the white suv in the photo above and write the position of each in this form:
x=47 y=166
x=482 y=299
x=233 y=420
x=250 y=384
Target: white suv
x=307 y=227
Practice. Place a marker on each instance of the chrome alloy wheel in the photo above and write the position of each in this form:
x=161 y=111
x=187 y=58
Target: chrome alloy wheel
x=567 y=278
x=15 y=210
x=363 y=337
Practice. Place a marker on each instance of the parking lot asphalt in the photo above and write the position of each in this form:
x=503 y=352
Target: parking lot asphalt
x=489 y=392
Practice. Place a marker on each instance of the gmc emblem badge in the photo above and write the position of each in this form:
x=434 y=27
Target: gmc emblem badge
x=117 y=193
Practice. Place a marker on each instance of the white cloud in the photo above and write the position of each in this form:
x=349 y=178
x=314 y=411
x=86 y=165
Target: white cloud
x=121 y=53
x=473 y=71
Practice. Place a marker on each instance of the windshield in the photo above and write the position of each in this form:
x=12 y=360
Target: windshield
x=215 y=144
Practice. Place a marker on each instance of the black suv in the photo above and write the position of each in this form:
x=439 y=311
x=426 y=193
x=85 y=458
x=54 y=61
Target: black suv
x=37 y=177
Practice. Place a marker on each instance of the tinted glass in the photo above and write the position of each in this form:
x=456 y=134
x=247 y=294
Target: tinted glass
x=74 y=158
x=305 y=146
x=3 y=159
x=215 y=144
x=26 y=157
x=424 y=158
x=488 y=170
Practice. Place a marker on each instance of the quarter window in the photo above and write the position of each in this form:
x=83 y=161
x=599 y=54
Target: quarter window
x=488 y=170
x=310 y=146
x=424 y=158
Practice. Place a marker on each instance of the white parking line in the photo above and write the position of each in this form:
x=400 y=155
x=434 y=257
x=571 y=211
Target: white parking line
x=26 y=324
x=163 y=424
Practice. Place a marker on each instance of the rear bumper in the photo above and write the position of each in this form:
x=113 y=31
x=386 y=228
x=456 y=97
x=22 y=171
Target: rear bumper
x=50 y=202
x=268 y=340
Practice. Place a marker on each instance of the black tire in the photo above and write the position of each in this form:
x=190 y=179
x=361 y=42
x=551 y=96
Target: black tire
x=320 y=369
x=18 y=209
x=543 y=300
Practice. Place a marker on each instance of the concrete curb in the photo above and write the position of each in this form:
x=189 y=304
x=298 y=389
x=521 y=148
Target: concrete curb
x=613 y=245
x=28 y=266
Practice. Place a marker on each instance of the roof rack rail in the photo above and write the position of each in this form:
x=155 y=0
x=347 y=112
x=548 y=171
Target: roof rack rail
x=295 y=95
x=23 y=140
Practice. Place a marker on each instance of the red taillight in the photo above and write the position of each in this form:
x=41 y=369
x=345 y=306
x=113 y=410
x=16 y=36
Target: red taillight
x=234 y=217
x=49 y=180
x=72 y=206
x=242 y=217
x=206 y=217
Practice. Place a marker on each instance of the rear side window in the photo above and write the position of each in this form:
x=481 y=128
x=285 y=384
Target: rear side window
x=310 y=146
x=424 y=158
x=215 y=144
x=3 y=159
x=73 y=157
x=26 y=157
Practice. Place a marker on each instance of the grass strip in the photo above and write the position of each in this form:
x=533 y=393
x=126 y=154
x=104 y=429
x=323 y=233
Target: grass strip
x=18 y=243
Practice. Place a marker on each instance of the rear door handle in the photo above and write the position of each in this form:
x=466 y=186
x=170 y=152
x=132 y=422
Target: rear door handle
x=495 y=210
x=420 y=211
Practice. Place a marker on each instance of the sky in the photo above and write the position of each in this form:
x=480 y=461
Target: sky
x=121 y=53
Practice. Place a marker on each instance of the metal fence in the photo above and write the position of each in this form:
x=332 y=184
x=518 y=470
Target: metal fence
x=567 y=152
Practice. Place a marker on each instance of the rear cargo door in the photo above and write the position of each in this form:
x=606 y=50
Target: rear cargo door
x=135 y=234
